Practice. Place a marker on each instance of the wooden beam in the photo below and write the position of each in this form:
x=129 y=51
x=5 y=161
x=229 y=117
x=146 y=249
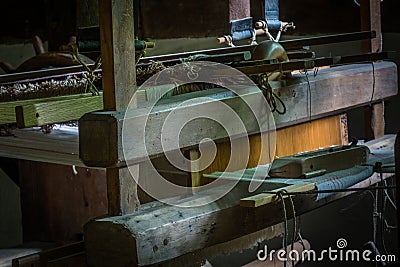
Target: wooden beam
x=56 y=111
x=122 y=190
x=331 y=91
x=266 y=198
x=7 y=109
x=371 y=21
x=119 y=84
x=117 y=52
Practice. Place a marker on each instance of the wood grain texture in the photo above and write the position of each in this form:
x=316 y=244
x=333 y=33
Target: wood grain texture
x=56 y=203
x=51 y=112
x=266 y=198
x=239 y=9
x=60 y=146
x=207 y=18
x=122 y=190
x=117 y=52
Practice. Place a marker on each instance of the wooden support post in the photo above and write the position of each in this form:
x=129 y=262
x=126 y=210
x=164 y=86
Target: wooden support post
x=119 y=82
x=371 y=21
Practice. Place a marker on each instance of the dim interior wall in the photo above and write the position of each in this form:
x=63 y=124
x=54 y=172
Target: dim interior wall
x=10 y=212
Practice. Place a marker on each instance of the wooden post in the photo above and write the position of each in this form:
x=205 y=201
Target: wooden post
x=119 y=84
x=371 y=21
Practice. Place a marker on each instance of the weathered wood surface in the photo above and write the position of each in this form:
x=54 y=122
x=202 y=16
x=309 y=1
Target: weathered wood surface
x=162 y=232
x=119 y=85
x=266 y=198
x=370 y=11
x=331 y=91
x=60 y=146
x=56 y=111
x=57 y=200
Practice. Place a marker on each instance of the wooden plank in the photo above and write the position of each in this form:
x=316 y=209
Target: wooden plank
x=117 y=52
x=51 y=112
x=266 y=198
x=60 y=146
x=119 y=85
x=239 y=9
x=7 y=109
x=332 y=91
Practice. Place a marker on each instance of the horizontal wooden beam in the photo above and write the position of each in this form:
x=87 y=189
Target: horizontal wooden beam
x=306 y=98
x=56 y=110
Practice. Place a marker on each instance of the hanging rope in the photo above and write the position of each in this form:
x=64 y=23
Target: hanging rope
x=269 y=94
